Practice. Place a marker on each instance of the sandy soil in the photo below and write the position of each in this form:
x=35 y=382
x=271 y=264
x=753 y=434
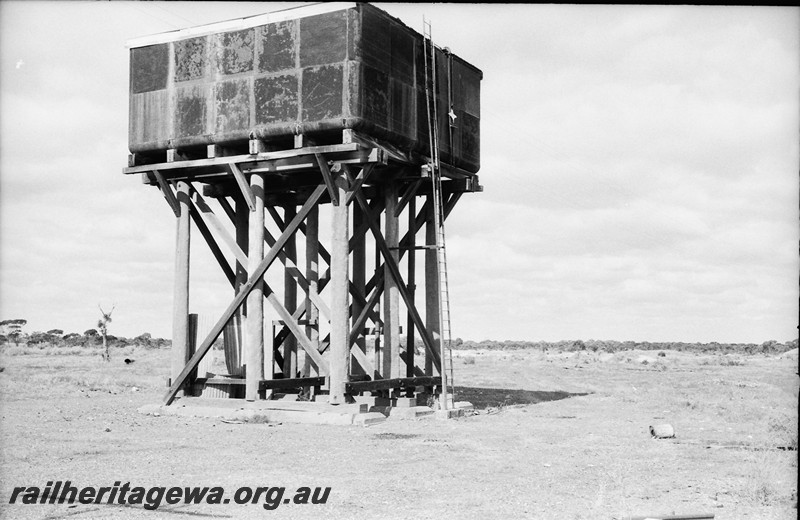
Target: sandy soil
x=557 y=435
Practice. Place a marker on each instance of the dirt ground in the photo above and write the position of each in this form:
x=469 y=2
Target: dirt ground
x=556 y=436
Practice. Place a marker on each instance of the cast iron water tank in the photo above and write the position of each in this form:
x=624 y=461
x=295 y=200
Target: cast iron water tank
x=313 y=70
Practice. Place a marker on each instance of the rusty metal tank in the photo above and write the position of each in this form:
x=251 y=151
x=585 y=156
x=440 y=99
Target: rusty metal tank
x=313 y=70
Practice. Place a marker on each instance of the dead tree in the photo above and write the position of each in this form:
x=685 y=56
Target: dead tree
x=102 y=325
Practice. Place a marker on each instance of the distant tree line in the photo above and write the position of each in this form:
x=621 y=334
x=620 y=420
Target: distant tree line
x=11 y=333
x=593 y=345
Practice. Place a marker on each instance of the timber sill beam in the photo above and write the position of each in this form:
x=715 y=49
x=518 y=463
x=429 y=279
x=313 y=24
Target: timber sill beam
x=244 y=292
x=272 y=384
x=386 y=384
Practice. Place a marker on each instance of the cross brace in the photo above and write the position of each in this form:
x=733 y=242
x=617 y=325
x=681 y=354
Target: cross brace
x=244 y=291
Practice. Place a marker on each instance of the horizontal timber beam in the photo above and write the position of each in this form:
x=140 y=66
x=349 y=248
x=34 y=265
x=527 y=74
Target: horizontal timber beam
x=355 y=387
x=271 y=384
x=215 y=169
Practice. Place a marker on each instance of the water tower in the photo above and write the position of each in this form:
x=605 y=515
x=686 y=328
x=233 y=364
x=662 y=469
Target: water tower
x=317 y=151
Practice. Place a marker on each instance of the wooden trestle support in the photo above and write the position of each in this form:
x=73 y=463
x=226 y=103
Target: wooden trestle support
x=341 y=339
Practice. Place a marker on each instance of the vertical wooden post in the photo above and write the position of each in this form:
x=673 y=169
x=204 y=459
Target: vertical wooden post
x=312 y=275
x=391 y=296
x=359 y=278
x=254 y=342
x=180 y=302
x=290 y=297
x=340 y=315
x=431 y=285
x=412 y=287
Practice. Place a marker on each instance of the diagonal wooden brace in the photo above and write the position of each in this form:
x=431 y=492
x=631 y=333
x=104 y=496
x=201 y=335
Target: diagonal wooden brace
x=327 y=176
x=394 y=272
x=362 y=229
x=242 y=257
x=418 y=223
x=215 y=250
x=288 y=319
x=166 y=190
x=359 y=325
x=410 y=192
x=356 y=183
x=293 y=270
x=200 y=204
x=241 y=180
x=244 y=292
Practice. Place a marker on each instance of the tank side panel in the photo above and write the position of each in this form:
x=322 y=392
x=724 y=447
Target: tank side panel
x=276 y=99
x=322 y=93
x=323 y=39
x=148 y=119
x=190 y=59
x=277 y=46
x=232 y=104
x=149 y=67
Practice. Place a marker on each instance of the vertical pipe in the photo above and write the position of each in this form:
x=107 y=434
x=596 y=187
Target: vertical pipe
x=359 y=278
x=242 y=221
x=191 y=341
x=376 y=347
x=312 y=275
x=391 y=295
x=290 y=297
x=340 y=315
x=180 y=302
x=254 y=343
x=412 y=274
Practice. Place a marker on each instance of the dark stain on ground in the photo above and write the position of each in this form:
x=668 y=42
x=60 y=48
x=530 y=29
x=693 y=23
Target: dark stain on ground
x=482 y=398
x=388 y=436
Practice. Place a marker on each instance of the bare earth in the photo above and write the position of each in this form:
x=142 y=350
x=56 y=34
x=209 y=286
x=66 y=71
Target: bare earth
x=557 y=436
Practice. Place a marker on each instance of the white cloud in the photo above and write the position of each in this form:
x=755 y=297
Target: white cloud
x=640 y=166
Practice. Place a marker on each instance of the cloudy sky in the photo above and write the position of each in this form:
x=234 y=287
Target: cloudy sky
x=640 y=167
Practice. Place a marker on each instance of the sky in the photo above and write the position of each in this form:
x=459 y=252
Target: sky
x=639 y=164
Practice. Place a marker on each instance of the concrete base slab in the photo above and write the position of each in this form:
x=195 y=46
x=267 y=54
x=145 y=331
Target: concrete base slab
x=414 y=412
x=404 y=402
x=451 y=413
x=360 y=414
x=277 y=404
x=246 y=413
x=368 y=419
x=372 y=400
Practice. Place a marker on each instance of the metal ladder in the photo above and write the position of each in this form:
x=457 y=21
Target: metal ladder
x=445 y=338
